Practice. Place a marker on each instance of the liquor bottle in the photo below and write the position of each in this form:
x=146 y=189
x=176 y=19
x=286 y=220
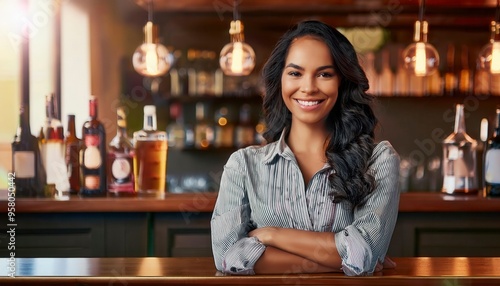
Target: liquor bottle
x=450 y=76
x=203 y=131
x=371 y=73
x=73 y=145
x=492 y=161
x=53 y=152
x=465 y=76
x=26 y=160
x=150 y=162
x=121 y=160
x=93 y=155
x=481 y=81
x=386 y=77
x=223 y=128
x=175 y=129
x=459 y=159
x=245 y=131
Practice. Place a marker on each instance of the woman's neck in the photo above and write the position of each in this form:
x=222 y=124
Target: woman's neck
x=307 y=139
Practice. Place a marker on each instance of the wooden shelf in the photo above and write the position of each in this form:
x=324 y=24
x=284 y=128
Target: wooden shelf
x=205 y=202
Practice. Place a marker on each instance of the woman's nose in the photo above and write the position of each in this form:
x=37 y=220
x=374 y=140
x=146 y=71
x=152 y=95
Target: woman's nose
x=308 y=85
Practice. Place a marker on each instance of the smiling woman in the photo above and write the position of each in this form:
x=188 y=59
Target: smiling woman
x=321 y=196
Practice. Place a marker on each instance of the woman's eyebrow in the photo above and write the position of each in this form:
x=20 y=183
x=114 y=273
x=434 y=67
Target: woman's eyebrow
x=292 y=65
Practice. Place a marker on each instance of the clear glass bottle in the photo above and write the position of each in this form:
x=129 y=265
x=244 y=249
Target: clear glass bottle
x=93 y=155
x=203 y=131
x=121 y=155
x=150 y=162
x=175 y=129
x=492 y=161
x=459 y=159
x=73 y=146
x=27 y=164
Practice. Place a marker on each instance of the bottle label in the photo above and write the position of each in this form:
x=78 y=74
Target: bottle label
x=121 y=168
x=92 y=157
x=24 y=161
x=92 y=182
x=492 y=166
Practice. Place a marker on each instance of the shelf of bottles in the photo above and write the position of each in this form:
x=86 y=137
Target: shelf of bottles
x=458 y=76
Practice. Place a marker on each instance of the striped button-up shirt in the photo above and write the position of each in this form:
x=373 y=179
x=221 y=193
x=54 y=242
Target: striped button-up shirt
x=263 y=186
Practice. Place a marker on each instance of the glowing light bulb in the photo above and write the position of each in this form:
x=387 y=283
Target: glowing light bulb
x=151 y=58
x=420 y=59
x=495 y=58
x=237 y=58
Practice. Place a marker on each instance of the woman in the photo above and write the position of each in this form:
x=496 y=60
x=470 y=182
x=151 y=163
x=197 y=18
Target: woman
x=321 y=196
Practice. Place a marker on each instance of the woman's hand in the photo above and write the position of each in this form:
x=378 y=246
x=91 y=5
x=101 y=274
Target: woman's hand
x=264 y=234
x=388 y=264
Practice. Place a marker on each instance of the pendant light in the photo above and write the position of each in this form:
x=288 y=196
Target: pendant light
x=489 y=57
x=151 y=59
x=420 y=57
x=237 y=58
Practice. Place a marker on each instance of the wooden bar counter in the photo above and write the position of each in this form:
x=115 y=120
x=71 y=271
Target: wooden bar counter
x=201 y=271
x=204 y=202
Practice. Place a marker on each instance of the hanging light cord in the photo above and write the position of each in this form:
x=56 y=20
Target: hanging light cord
x=421 y=10
x=497 y=14
x=150 y=11
x=236 y=16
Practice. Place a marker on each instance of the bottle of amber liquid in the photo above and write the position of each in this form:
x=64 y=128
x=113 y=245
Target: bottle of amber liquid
x=26 y=160
x=150 y=162
x=93 y=155
x=73 y=145
x=121 y=160
x=492 y=161
x=450 y=76
x=459 y=159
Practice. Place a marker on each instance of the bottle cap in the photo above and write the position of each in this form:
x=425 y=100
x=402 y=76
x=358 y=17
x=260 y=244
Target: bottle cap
x=149 y=110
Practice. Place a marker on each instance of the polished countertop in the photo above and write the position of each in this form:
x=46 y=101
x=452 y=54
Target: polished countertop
x=204 y=202
x=201 y=271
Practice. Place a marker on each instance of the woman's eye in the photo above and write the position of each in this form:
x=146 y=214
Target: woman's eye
x=294 y=73
x=325 y=74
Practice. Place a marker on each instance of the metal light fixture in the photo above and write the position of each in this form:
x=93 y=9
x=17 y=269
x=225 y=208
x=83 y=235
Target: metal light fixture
x=237 y=58
x=420 y=57
x=489 y=57
x=151 y=59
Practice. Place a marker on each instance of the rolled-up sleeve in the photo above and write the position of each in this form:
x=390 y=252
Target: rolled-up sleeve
x=365 y=242
x=234 y=252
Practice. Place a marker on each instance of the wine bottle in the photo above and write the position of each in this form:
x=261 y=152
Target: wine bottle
x=93 y=155
x=121 y=159
x=465 y=79
x=26 y=160
x=175 y=129
x=450 y=76
x=223 y=128
x=459 y=159
x=492 y=161
x=203 y=131
x=73 y=146
x=150 y=162
x=245 y=131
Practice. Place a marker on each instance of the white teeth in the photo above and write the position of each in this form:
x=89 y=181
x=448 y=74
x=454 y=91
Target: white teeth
x=307 y=103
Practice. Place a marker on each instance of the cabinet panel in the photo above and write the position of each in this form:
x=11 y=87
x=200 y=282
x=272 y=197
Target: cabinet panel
x=182 y=235
x=77 y=235
x=446 y=234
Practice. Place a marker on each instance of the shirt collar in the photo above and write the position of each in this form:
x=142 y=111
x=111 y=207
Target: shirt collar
x=279 y=148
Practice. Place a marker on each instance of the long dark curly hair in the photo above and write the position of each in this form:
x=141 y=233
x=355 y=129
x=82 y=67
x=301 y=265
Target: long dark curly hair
x=350 y=123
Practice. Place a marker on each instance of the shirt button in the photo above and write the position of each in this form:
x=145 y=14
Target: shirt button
x=346 y=233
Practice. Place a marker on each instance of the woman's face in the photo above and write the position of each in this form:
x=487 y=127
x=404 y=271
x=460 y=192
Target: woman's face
x=309 y=83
